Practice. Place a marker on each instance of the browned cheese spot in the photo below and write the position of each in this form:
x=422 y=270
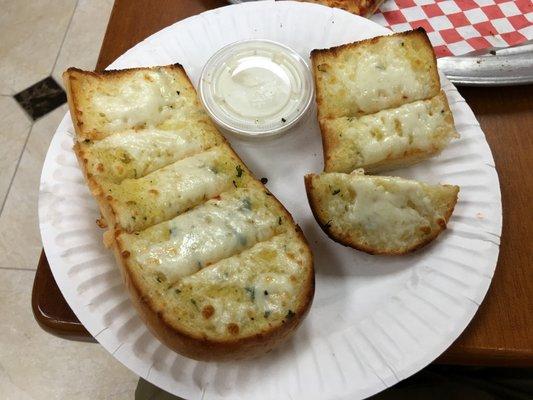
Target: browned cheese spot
x=233 y=329
x=425 y=229
x=208 y=311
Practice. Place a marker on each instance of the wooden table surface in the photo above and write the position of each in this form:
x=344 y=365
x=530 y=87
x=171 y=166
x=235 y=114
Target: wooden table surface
x=501 y=333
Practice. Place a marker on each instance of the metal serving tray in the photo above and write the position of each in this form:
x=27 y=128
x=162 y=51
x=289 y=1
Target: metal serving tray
x=510 y=66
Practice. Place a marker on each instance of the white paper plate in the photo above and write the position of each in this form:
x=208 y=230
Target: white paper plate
x=374 y=321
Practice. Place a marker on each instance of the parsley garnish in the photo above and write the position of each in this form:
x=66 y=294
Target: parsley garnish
x=239 y=171
x=251 y=292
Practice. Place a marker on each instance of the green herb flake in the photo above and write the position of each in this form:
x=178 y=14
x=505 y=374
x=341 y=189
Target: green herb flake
x=239 y=171
x=267 y=313
x=242 y=239
x=266 y=293
x=251 y=292
x=177 y=291
x=247 y=204
x=234 y=183
x=336 y=192
x=290 y=314
x=178 y=92
x=283 y=120
x=194 y=304
x=279 y=220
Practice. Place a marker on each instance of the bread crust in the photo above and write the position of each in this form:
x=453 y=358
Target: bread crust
x=345 y=240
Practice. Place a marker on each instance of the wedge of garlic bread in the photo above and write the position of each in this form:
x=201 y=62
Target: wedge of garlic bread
x=380 y=105
x=391 y=138
x=379 y=215
x=214 y=264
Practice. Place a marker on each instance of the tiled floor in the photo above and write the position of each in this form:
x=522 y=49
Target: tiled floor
x=40 y=38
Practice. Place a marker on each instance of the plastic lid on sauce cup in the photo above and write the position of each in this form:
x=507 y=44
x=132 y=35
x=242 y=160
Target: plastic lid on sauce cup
x=256 y=88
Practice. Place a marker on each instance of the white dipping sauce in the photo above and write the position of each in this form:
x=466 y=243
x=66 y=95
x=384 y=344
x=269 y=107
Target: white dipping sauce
x=256 y=88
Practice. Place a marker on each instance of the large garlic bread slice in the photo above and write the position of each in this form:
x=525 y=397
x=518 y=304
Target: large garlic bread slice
x=375 y=74
x=388 y=139
x=215 y=265
x=379 y=215
x=136 y=153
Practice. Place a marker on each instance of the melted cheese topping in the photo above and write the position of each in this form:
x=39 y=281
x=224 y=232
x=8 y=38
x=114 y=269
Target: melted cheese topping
x=380 y=79
x=384 y=211
x=148 y=98
x=258 y=286
x=422 y=127
x=167 y=192
x=215 y=230
x=133 y=154
x=372 y=76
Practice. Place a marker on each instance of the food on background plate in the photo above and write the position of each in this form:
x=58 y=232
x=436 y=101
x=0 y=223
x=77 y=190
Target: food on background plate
x=214 y=264
x=380 y=103
x=365 y=8
x=377 y=214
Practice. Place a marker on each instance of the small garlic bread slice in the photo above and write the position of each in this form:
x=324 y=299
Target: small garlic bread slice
x=395 y=137
x=136 y=204
x=375 y=74
x=377 y=214
x=136 y=153
x=107 y=102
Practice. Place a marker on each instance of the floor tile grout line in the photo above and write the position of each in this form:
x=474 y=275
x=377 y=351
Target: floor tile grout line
x=17 y=269
x=33 y=122
x=64 y=37
x=16 y=168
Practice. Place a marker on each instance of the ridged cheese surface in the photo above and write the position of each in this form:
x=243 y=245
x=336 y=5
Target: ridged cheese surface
x=371 y=76
x=206 y=234
x=133 y=154
x=251 y=290
x=169 y=191
x=421 y=127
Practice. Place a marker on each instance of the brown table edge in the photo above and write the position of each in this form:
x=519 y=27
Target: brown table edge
x=72 y=329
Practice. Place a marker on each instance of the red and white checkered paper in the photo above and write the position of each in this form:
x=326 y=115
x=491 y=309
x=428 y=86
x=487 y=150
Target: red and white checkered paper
x=457 y=27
